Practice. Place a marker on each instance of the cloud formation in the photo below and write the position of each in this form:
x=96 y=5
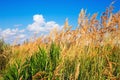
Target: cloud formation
x=39 y=26
x=10 y=35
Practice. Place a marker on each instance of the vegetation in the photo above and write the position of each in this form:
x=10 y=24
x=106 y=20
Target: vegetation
x=4 y=54
x=90 y=52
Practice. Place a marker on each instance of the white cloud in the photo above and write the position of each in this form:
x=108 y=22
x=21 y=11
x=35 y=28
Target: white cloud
x=21 y=36
x=8 y=32
x=51 y=24
x=21 y=31
x=10 y=35
x=38 y=19
x=40 y=25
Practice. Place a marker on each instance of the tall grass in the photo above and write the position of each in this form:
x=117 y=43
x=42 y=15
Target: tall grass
x=90 y=52
x=50 y=65
x=5 y=53
x=39 y=66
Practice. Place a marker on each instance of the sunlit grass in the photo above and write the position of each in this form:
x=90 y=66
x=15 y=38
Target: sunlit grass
x=90 y=52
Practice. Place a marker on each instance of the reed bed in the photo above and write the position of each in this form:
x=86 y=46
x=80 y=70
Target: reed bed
x=89 y=52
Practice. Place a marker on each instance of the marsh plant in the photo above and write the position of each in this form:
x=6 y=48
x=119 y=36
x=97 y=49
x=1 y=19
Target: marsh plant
x=89 y=52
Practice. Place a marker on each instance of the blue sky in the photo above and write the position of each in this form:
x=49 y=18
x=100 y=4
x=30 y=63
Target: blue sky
x=19 y=14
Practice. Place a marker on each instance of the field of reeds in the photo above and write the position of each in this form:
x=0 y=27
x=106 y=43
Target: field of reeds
x=89 y=52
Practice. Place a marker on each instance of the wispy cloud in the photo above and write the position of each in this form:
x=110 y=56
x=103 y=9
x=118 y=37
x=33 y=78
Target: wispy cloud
x=18 y=25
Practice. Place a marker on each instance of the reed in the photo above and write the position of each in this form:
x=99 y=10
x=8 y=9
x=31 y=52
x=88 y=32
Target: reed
x=90 y=52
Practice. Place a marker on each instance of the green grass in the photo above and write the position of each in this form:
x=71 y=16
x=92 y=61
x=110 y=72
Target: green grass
x=39 y=66
x=49 y=65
